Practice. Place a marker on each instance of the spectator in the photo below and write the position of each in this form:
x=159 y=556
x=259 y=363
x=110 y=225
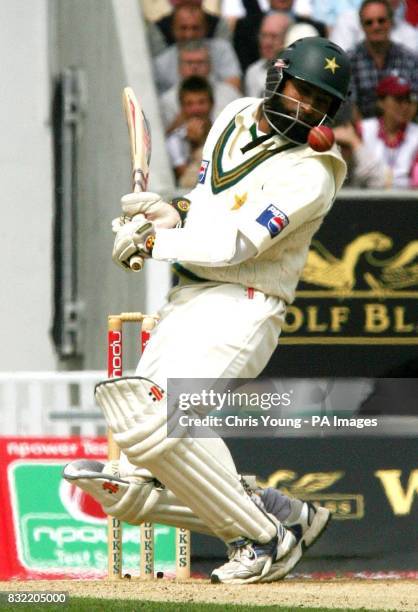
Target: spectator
x=189 y=23
x=232 y=10
x=161 y=32
x=247 y=28
x=326 y=11
x=348 y=30
x=377 y=56
x=303 y=8
x=185 y=144
x=271 y=41
x=383 y=152
x=154 y=10
x=289 y=6
x=363 y=166
x=194 y=60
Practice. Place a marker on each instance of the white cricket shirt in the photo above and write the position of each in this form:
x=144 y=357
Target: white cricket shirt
x=277 y=199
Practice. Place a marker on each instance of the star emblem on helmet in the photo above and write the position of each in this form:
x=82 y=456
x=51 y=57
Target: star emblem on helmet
x=331 y=64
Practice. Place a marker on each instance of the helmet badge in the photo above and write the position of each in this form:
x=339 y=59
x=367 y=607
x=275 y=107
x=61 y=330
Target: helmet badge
x=331 y=64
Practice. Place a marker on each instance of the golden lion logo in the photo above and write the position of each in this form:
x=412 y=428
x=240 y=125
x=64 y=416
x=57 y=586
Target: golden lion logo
x=395 y=273
x=288 y=482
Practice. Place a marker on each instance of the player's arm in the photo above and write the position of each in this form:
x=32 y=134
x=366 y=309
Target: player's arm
x=143 y=214
x=281 y=207
x=285 y=204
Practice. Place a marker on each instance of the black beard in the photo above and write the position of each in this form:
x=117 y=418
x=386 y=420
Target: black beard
x=297 y=133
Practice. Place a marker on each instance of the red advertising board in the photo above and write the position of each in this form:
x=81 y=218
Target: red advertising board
x=44 y=521
x=51 y=529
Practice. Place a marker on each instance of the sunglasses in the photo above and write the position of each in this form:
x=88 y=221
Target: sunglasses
x=379 y=20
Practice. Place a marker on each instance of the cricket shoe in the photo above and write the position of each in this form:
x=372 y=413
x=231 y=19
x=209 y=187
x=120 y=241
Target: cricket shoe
x=306 y=529
x=250 y=561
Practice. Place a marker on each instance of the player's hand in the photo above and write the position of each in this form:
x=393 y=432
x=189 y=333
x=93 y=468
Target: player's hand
x=153 y=207
x=133 y=237
x=197 y=130
x=347 y=136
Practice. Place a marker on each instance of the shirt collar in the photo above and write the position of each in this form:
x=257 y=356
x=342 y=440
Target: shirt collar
x=395 y=142
x=248 y=116
x=366 y=53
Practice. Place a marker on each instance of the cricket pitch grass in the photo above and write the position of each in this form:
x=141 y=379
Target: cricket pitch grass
x=197 y=595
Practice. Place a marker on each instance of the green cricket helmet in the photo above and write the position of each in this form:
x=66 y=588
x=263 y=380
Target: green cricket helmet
x=313 y=60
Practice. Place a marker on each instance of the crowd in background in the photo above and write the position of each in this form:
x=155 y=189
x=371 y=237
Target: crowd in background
x=207 y=53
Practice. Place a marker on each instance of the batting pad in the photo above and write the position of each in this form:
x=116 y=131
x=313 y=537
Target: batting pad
x=134 y=501
x=121 y=498
x=135 y=410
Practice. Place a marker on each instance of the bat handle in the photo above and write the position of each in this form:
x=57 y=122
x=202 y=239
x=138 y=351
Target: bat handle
x=136 y=263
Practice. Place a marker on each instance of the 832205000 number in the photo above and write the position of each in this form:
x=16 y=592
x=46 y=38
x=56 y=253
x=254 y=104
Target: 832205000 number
x=33 y=597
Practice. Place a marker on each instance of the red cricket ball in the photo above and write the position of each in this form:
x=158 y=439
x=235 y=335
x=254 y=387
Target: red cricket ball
x=321 y=138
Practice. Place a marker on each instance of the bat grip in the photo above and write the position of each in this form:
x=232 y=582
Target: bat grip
x=136 y=263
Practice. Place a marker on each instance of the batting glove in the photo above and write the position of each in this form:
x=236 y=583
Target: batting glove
x=153 y=207
x=132 y=238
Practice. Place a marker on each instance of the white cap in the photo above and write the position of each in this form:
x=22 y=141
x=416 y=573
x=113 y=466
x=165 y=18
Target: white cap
x=299 y=30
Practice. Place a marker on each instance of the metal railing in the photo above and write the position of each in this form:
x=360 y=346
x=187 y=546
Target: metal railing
x=50 y=404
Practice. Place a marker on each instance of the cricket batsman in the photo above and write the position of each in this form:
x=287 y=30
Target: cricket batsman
x=261 y=195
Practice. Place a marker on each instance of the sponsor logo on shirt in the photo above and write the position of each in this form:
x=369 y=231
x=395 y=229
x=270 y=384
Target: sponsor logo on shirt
x=203 y=170
x=273 y=219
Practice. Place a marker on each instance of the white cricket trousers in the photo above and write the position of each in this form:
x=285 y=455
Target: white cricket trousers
x=213 y=331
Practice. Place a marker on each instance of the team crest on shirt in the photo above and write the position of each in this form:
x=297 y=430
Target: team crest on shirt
x=239 y=201
x=203 y=170
x=273 y=219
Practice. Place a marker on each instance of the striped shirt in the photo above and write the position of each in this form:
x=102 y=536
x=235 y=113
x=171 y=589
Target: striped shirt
x=400 y=61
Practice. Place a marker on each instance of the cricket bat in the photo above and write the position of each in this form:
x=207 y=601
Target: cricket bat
x=140 y=145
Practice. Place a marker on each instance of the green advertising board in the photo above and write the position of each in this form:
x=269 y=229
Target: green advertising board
x=58 y=528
